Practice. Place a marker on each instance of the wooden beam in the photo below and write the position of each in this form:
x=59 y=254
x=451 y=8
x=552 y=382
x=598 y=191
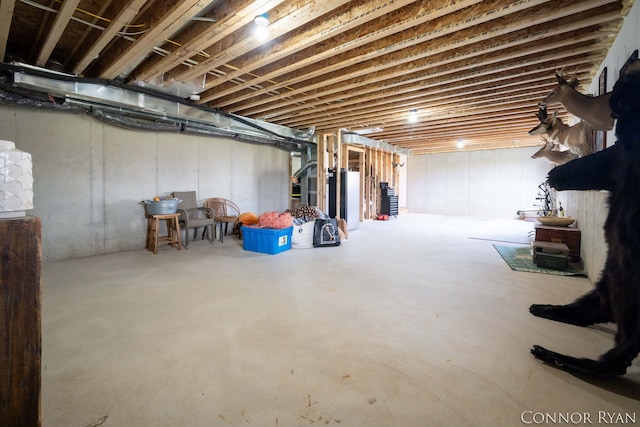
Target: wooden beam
x=327 y=142
x=320 y=43
x=124 y=15
x=314 y=93
x=368 y=115
x=229 y=18
x=368 y=194
x=395 y=163
x=59 y=24
x=245 y=41
x=397 y=86
x=392 y=50
x=341 y=52
x=6 y=14
x=361 y=184
x=164 y=25
x=20 y=316
x=338 y=166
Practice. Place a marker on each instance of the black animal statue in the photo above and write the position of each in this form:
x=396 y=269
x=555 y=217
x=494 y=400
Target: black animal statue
x=616 y=297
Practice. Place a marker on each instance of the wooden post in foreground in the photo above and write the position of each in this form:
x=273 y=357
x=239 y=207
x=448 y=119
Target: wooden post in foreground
x=20 y=321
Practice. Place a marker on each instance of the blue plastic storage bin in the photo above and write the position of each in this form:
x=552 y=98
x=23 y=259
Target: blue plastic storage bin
x=266 y=240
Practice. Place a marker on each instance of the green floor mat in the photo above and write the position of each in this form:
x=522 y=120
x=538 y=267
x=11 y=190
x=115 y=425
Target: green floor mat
x=519 y=259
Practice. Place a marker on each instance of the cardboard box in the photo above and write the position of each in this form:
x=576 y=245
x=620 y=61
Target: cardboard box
x=266 y=240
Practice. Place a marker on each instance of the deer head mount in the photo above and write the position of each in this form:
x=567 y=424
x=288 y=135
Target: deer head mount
x=577 y=138
x=592 y=109
x=551 y=151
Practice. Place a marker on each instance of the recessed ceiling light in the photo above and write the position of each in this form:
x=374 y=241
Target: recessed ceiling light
x=262 y=20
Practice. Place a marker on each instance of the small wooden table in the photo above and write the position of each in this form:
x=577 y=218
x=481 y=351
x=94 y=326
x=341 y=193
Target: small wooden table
x=153 y=231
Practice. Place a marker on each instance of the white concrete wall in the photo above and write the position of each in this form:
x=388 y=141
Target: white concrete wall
x=89 y=177
x=491 y=183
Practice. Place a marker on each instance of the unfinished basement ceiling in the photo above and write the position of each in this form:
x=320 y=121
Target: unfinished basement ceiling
x=472 y=70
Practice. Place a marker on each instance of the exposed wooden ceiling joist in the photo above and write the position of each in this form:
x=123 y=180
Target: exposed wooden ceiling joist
x=6 y=12
x=468 y=67
x=53 y=35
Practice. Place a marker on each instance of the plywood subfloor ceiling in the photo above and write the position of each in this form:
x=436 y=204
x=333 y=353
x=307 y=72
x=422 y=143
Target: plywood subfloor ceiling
x=472 y=70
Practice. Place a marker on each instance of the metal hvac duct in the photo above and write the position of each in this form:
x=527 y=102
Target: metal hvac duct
x=140 y=104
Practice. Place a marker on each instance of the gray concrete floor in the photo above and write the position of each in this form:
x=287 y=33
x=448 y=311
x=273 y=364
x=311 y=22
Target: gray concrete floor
x=409 y=323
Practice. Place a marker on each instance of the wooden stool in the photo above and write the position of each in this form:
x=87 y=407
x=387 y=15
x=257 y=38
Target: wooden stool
x=153 y=231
